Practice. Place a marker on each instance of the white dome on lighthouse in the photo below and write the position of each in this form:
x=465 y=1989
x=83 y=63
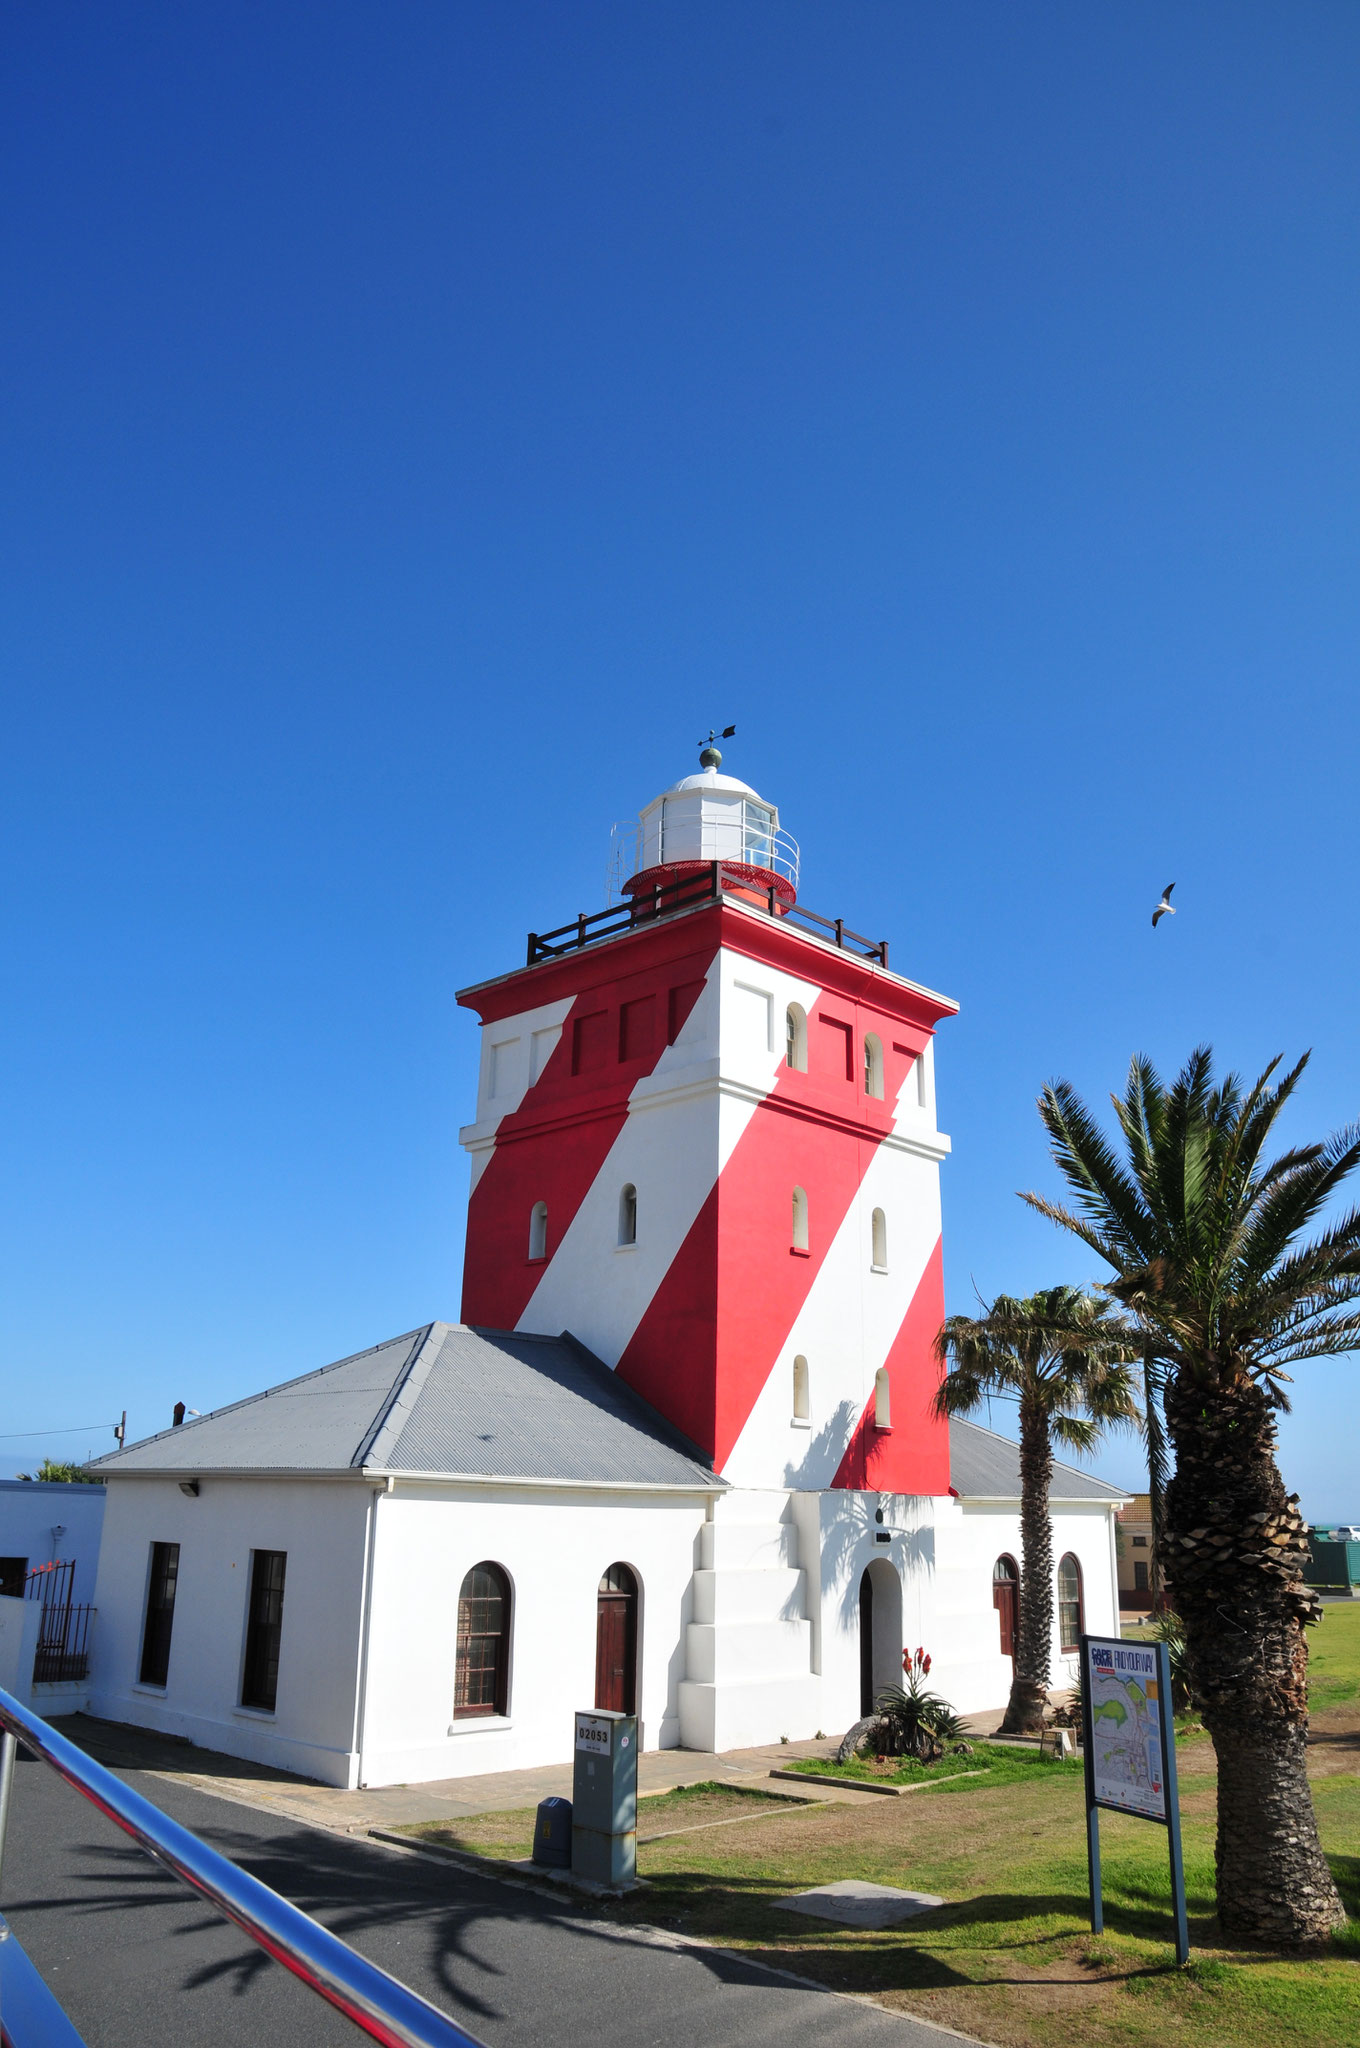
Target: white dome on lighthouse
x=706 y=817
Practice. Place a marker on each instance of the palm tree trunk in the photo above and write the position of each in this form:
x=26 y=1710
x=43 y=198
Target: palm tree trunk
x=1235 y=1547
x=1029 y=1687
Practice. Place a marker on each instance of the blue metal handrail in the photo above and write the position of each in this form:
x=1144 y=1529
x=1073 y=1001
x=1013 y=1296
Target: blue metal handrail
x=385 y=2009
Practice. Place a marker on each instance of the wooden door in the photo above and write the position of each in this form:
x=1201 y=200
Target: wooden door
x=866 y=1645
x=616 y=1641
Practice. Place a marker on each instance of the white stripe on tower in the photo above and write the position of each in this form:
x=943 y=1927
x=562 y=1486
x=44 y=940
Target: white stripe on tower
x=728 y=1057
x=851 y=1317
x=515 y=1050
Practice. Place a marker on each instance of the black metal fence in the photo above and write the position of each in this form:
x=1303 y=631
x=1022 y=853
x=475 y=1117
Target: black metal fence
x=667 y=898
x=63 y=1648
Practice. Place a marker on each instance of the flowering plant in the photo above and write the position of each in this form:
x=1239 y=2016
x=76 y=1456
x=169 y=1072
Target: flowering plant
x=915 y=1722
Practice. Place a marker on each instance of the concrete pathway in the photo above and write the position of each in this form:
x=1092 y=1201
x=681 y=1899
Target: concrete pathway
x=140 y=1962
x=269 y=1791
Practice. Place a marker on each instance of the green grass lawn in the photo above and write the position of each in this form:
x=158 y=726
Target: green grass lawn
x=1011 y=1958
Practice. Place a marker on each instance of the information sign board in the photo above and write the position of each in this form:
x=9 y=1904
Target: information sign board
x=1128 y=1741
x=1129 y=1738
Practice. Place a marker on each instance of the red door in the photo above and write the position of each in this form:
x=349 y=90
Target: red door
x=1006 y=1600
x=616 y=1641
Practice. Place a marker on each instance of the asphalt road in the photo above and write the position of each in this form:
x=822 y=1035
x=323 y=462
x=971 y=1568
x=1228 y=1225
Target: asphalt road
x=138 y=1962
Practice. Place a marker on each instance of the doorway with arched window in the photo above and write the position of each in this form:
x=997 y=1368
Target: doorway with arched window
x=1006 y=1601
x=616 y=1634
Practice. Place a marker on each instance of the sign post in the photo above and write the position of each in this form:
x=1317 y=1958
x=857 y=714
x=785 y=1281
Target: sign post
x=1129 y=1737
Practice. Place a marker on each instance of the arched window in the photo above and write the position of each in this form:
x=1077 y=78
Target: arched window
x=873 y=1064
x=802 y=1390
x=616 y=1611
x=880 y=1242
x=482 y=1673
x=628 y=1214
x=538 y=1231
x=1069 y=1604
x=800 y=1221
x=1006 y=1601
x=882 y=1399
x=795 y=1038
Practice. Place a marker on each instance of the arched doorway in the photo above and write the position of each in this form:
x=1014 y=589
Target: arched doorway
x=866 y=1646
x=616 y=1606
x=1006 y=1600
x=880 y=1631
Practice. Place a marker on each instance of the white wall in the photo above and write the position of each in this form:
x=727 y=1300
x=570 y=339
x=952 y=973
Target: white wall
x=944 y=1551
x=49 y=1522
x=19 y=1623
x=969 y=1668
x=554 y=1547
x=321 y=1524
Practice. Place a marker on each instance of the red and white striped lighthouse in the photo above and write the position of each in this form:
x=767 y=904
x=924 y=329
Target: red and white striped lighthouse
x=706 y=1145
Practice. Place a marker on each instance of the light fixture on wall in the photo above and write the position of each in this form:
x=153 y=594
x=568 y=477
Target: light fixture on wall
x=189 y=1486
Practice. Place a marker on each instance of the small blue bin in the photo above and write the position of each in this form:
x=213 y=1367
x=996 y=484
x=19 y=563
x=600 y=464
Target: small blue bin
x=552 y=1833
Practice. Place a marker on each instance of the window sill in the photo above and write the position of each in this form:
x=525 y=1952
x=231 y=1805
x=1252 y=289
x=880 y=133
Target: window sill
x=800 y=1422
x=883 y=1429
x=797 y=1251
x=157 y=1692
x=538 y=1261
x=878 y=1269
x=255 y=1713
x=481 y=1724
x=626 y=1247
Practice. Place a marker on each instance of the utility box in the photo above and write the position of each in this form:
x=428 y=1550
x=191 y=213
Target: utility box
x=604 y=1798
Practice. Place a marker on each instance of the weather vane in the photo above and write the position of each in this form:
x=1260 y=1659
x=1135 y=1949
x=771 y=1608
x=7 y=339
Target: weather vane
x=710 y=756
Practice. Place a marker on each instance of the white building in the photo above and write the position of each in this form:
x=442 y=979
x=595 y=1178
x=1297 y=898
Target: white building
x=680 y=1456
x=44 y=1523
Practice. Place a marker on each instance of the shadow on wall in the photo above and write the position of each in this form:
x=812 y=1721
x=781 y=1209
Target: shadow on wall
x=848 y=1547
x=823 y=1451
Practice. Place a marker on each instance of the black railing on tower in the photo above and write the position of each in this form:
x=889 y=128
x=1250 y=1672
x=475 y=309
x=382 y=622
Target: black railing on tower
x=667 y=899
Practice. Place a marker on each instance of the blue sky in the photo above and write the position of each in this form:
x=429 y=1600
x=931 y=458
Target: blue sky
x=420 y=424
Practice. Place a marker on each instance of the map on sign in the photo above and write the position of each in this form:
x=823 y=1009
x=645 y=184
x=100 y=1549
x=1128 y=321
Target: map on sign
x=1127 y=1757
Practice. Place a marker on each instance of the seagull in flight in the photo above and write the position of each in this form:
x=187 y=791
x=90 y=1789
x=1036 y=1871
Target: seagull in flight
x=1166 y=907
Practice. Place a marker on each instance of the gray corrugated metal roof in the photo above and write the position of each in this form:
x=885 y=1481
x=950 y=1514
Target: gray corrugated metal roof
x=446 y=1399
x=987 y=1467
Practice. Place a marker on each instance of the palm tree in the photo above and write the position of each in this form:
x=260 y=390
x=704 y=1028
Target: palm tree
x=1067 y=1386
x=1203 y=1235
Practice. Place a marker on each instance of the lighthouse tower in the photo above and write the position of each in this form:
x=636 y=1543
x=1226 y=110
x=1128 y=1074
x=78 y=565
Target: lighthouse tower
x=706 y=1146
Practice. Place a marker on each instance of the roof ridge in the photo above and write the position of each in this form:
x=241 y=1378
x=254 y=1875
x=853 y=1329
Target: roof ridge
x=1059 y=1464
x=180 y=1430
x=406 y=1390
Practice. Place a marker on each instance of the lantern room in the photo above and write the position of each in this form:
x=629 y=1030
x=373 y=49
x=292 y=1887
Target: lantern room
x=703 y=818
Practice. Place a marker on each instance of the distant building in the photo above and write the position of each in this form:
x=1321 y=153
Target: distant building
x=680 y=1456
x=1134 y=1548
x=50 y=1522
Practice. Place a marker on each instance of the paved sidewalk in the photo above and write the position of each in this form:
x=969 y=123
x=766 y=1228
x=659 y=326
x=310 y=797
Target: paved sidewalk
x=229 y=1777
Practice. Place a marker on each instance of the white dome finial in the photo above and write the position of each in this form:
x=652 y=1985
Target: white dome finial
x=709 y=756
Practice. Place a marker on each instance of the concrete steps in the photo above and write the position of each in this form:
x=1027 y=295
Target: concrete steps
x=748 y=1651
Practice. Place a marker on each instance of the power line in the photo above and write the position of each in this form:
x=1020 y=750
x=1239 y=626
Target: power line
x=15 y=1435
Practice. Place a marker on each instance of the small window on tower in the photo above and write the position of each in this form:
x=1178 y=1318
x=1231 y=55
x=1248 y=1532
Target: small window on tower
x=882 y=1400
x=880 y=1242
x=538 y=1231
x=802 y=1392
x=800 y=1220
x=628 y=1215
x=922 y=1085
x=795 y=1038
x=873 y=1065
